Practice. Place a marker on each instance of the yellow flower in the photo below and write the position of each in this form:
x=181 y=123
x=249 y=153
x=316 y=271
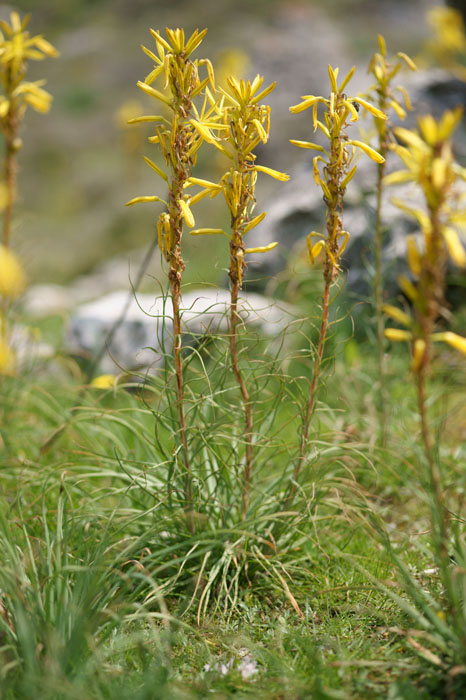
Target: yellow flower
x=12 y=277
x=7 y=358
x=104 y=381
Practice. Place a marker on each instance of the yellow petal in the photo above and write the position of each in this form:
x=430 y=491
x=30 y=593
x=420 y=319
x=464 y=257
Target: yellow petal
x=397 y=314
x=187 y=213
x=347 y=79
x=370 y=108
x=373 y=154
x=208 y=232
x=156 y=168
x=382 y=44
x=456 y=341
x=397 y=335
x=332 y=74
x=408 y=288
x=148 y=198
x=12 y=278
x=255 y=222
x=412 y=256
x=7 y=359
x=409 y=61
x=273 y=173
x=149 y=90
x=308 y=102
x=262 y=249
x=419 y=350
x=104 y=381
x=307 y=144
x=454 y=245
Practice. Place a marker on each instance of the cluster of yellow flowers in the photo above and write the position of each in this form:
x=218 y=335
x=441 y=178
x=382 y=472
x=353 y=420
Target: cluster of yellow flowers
x=335 y=168
x=448 y=46
x=427 y=155
x=16 y=48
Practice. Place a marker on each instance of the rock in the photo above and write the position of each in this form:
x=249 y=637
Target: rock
x=298 y=208
x=145 y=333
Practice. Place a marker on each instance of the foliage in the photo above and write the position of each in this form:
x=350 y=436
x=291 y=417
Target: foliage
x=161 y=538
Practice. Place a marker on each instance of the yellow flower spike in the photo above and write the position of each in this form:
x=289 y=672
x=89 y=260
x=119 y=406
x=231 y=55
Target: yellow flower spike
x=455 y=248
x=455 y=341
x=262 y=249
x=371 y=152
x=397 y=335
x=147 y=198
x=283 y=177
x=12 y=277
x=104 y=381
x=397 y=314
x=409 y=61
x=254 y=222
x=187 y=213
x=419 y=350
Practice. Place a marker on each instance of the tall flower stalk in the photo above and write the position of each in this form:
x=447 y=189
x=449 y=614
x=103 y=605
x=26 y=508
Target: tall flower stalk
x=16 y=48
x=427 y=155
x=333 y=170
x=179 y=136
x=247 y=125
x=386 y=97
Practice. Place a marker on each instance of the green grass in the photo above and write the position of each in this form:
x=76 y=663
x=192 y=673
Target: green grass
x=106 y=594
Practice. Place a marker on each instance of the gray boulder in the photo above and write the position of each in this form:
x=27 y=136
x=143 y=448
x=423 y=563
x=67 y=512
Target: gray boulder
x=146 y=331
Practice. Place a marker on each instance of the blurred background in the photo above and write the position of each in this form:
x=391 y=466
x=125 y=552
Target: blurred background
x=81 y=162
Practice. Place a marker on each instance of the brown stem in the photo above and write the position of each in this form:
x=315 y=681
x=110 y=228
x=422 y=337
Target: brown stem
x=329 y=274
x=378 y=292
x=177 y=267
x=434 y=474
x=10 y=125
x=237 y=244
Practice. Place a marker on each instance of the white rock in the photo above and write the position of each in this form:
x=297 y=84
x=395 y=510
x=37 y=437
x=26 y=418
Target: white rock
x=147 y=327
